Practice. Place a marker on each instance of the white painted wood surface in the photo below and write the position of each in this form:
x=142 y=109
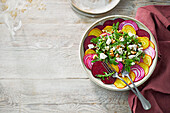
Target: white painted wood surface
x=40 y=70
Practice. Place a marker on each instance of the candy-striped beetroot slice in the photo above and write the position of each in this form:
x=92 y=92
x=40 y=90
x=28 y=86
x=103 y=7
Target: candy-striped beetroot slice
x=139 y=72
x=142 y=33
x=87 y=42
x=150 y=51
x=128 y=22
x=98 y=69
x=89 y=61
x=85 y=59
x=104 y=34
x=120 y=65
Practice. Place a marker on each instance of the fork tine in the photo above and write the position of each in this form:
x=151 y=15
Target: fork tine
x=111 y=67
x=110 y=70
x=105 y=67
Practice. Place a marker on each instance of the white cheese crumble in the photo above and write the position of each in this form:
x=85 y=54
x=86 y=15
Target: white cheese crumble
x=122 y=39
x=140 y=49
x=139 y=45
x=131 y=34
x=134 y=47
x=113 y=48
x=133 y=63
x=107 y=48
x=108 y=41
x=103 y=56
x=122 y=46
x=131 y=56
x=120 y=50
x=90 y=46
x=119 y=59
x=95 y=56
x=125 y=52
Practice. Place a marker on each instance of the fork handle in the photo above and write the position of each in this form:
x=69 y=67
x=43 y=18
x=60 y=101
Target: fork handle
x=145 y=103
x=128 y=86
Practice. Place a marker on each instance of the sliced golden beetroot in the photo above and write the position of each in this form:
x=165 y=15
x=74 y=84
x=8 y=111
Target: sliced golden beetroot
x=119 y=83
x=145 y=42
x=152 y=45
x=108 y=29
x=95 y=32
x=144 y=37
x=89 y=51
x=145 y=67
x=147 y=60
x=132 y=76
x=128 y=28
x=115 y=67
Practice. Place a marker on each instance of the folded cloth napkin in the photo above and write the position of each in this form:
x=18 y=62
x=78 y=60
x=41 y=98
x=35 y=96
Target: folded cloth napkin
x=157 y=88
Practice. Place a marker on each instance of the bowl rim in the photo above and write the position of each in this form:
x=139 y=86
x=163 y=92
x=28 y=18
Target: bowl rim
x=106 y=86
x=95 y=13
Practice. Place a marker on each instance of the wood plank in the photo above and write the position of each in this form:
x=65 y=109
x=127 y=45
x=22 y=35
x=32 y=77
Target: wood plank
x=59 y=95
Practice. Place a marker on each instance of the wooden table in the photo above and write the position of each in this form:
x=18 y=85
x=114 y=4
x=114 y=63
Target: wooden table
x=40 y=71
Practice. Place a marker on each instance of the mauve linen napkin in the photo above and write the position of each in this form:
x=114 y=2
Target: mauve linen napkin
x=157 y=88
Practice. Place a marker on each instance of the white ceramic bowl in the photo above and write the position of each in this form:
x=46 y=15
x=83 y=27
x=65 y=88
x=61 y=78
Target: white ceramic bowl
x=98 y=81
x=94 y=6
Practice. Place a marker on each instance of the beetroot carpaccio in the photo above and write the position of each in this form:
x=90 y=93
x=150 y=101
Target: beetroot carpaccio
x=123 y=45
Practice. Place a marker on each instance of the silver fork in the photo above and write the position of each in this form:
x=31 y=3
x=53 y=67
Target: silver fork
x=145 y=103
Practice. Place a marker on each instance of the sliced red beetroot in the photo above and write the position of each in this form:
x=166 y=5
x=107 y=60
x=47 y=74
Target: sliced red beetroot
x=108 y=80
x=120 y=20
x=142 y=33
x=108 y=23
x=99 y=27
x=129 y=22
x=139 y=72
x=98 y=69
x=150 y=51
x=87 y=42
x=87 y=60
